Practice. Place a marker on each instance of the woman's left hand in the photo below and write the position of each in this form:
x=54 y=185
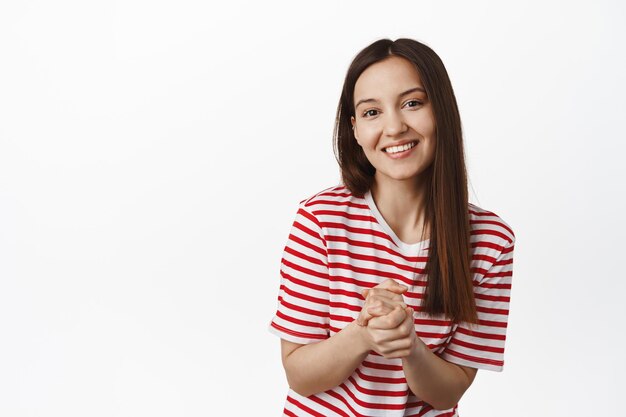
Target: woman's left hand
x=393 y=335
x=381 y=300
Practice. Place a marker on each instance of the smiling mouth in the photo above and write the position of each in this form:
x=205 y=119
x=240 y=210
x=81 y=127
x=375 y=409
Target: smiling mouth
x=401 y=148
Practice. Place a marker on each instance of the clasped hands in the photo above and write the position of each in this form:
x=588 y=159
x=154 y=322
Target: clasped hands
x=387 y=322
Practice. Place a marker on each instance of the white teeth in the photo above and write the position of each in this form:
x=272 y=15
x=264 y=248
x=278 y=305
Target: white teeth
x=396 y=149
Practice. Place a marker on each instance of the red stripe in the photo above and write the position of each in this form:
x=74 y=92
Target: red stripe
x=371 y=245
x=489 y=245
x=494 y=286
x=312 y=219
x=477 y=347
x=357 y=230
x=300 y=295
x=501 y=274
x=338 y=194
x=328 y=405
x=474 y=358
x=306 y=258
x=354 y=281
x=370 y=284
x=486 y=258
x=495 y=298
x=304 y=270
x=482 y=335
x=345 y=319
x=480 y=232
x=307 y=244
x=374 y=365
x=378 y=260
x=492 y=323
x=485 y=272
x=370 y=271
x=432 y=335
x=432 y=322
x=329 y=189
x=339 y=203
x=301 y=322
x=496 y=223
x=377 y=392
x=369 y=405
x=350 y=216
x=298 y=334
x=345 y=402
x=345 y=306
x=346 y=293
x=305 y=229
x=304 y=407
x=492 y=310
x=381 y=379
x=303 y=283
x=289 y=413
x=295 y=307
x=503 y=262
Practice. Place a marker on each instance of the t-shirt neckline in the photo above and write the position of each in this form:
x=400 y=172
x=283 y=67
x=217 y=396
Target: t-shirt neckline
x=409 y=247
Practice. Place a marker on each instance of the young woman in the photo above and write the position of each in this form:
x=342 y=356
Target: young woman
x=394 y=288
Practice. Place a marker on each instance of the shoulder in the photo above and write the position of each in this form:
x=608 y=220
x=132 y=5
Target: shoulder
x=335 y=209
x=487 y=225
x=336 y=195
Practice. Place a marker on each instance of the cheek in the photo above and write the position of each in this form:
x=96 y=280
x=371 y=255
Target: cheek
x=426 y=124
x=368 y=136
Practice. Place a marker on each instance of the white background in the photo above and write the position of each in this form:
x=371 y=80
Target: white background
x=153 y=154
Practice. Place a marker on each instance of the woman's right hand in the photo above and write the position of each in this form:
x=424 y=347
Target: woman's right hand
x=381 y=300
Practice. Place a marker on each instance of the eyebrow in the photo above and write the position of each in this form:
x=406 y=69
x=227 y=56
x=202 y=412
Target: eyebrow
x=373 y=100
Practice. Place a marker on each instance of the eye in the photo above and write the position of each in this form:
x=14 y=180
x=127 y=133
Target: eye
x=414 y=103
x=370 y=113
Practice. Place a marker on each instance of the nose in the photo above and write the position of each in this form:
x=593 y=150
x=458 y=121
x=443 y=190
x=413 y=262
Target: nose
x=394 y=124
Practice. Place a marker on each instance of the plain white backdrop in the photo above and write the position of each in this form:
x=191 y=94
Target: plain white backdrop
x=153 y=154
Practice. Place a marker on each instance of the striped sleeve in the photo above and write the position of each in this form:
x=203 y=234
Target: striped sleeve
x=482 y=346
x=302 y=315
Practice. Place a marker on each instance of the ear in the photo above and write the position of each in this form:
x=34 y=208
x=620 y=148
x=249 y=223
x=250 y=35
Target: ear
x=353 y=121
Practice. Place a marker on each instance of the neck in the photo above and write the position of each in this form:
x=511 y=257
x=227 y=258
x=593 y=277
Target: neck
x=401 y=202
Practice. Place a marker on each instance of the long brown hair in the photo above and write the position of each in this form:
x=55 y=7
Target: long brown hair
x=450 y=289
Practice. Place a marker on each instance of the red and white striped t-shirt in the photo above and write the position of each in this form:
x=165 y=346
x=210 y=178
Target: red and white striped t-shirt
x=340 y=244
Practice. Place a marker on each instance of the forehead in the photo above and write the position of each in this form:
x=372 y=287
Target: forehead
x=391 y=76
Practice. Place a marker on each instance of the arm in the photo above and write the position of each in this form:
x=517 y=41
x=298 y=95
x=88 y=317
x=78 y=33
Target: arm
x=434 y=380
x=320 y=366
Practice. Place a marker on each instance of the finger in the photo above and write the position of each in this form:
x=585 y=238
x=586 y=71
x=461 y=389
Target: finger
x=410 y=314
x=393 y=286
x=375 y=307
x=381 y=292
x=389 y=321
x=410 y=320
x=377 y=311
x=398 y=354
x=364 y=316
x=378 y=301
x=396 y=347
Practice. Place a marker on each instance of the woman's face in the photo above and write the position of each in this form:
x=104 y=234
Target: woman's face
x=394 y=121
